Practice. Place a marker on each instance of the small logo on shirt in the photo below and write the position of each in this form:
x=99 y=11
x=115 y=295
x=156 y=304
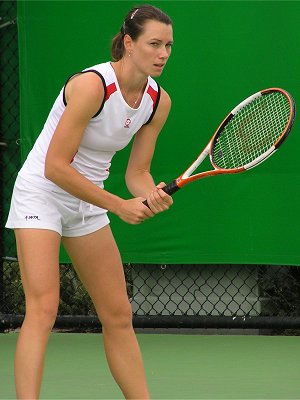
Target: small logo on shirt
x=32 y=217
x=127 y=123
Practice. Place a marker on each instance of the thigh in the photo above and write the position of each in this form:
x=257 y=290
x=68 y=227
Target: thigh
x=98 y=263
x=38 y=256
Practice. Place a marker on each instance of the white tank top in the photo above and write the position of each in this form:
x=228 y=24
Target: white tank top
x=110 y=130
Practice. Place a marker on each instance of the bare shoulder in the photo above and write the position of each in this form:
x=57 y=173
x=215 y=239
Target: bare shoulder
x=88 y=85
x=84 y=95
x=165 y=99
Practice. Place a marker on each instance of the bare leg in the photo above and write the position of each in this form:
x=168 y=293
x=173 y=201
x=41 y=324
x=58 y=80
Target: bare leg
x=98 y=264
x=38 y=259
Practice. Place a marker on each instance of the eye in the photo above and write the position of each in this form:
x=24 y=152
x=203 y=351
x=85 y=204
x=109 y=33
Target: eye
x=154 y=44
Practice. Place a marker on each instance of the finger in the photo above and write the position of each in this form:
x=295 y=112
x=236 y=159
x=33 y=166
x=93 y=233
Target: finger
x=167 y=199
x=161 y=185
x=165 y=196
x=163 y=200
x=156 y=202
x=147 y=212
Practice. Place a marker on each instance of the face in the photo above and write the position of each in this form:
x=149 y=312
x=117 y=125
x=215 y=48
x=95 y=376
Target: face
x=150 y=52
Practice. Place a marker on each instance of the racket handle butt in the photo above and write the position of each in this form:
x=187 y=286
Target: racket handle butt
x=169 y=189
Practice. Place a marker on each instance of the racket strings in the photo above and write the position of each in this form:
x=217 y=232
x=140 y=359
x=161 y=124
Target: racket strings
x=252 y=131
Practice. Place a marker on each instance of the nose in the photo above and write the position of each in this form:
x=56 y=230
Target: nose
x=164 y=53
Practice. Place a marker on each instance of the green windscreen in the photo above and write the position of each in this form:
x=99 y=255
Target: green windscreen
x=223 y=52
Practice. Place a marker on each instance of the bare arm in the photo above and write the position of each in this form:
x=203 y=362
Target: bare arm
x=84 y=97
x=138 y=176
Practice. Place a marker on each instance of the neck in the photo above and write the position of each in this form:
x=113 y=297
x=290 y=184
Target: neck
x=127 y=76
x=131 y=84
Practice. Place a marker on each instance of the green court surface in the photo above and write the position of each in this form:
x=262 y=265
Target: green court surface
x=178 y=367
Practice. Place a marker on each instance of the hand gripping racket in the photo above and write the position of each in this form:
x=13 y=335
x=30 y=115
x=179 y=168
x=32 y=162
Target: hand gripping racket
x=250 y=134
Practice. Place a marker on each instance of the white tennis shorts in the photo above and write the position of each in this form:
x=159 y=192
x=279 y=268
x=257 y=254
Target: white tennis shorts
x=33 y=207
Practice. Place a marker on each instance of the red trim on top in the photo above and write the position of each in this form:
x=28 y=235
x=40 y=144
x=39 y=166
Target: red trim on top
x=110 y=89
x=153 y=94
x=73 y=157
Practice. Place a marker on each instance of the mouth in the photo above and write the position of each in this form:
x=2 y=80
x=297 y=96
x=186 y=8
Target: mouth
x=161 y=65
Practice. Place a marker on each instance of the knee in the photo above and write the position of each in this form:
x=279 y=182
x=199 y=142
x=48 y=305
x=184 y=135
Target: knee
x=118 y=318
x=42 y=312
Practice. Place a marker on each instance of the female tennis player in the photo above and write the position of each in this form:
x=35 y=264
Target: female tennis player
x=59 y=196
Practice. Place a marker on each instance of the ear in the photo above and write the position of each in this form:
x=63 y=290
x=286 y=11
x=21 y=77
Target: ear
x=128 y=44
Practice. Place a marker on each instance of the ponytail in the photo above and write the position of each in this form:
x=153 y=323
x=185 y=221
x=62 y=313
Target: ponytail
x=117 y=47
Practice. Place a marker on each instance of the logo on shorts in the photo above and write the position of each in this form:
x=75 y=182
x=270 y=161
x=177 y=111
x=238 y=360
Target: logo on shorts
x=32 y=217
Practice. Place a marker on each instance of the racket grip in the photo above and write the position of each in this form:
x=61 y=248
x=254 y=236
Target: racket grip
x=169 y=189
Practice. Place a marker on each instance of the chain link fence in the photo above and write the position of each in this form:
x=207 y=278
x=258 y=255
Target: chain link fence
x=9 y=115
x=162 y=296
x=177 y=296
x=9 y=125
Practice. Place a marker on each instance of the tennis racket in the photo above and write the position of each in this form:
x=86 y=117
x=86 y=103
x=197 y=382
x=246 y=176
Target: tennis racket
x=250 y=133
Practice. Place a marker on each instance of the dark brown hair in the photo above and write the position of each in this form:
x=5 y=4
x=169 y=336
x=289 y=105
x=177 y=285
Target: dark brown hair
x=133 y=26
